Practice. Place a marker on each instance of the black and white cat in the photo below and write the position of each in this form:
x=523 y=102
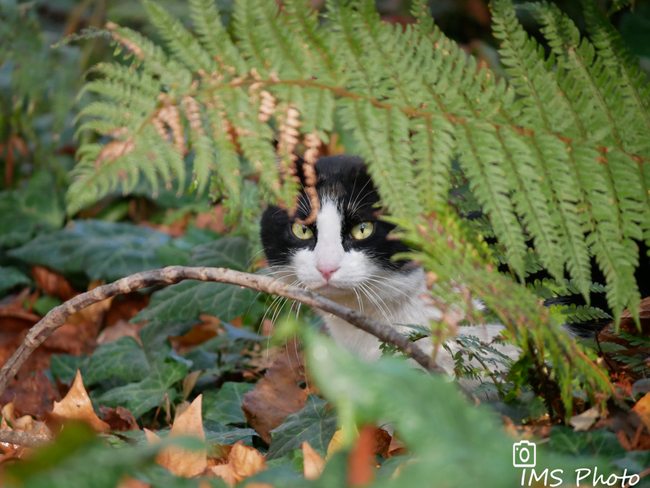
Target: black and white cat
x=346 y=256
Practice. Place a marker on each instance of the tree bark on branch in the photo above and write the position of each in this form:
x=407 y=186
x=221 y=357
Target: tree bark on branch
x=56 y=317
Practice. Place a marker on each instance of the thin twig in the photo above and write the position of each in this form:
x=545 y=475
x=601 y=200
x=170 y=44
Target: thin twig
x=22 y=438
x=175 y=274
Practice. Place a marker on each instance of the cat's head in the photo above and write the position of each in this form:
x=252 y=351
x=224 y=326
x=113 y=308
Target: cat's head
x=347 y=247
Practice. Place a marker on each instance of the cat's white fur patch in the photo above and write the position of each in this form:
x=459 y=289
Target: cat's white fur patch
x=397 y=299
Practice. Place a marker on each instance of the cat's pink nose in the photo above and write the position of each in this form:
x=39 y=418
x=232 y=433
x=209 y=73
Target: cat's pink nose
x=327 y=271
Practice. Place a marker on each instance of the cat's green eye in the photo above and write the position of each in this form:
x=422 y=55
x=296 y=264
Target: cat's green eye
x=362 y=230
x=301 y=231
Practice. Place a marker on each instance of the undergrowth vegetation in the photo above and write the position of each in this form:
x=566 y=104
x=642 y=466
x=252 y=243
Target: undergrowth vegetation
x=551 y=142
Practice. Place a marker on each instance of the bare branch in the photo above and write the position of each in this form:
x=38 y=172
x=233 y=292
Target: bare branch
x=175 y=274
x=22 y=438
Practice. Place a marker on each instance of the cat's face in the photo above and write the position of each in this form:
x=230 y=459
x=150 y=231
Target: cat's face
x=346 y=251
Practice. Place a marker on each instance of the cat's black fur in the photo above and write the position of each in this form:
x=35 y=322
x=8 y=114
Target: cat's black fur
x=344 y=180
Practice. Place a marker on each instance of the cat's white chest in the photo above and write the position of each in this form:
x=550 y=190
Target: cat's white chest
x=407 y=306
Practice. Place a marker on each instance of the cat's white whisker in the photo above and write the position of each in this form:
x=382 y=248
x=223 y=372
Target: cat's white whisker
x=346 y=257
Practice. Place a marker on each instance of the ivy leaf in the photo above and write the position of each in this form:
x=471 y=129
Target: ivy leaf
x=224 y=406
x=64 y=367
x=313 y=424
x=229 y=252
x=155 y=338
x=103 y=250
x=123 y=358
x=218 y=433
x=187 y=300
x=592 y=443
x=141 y=397
x=35 y=208
x=10 y=277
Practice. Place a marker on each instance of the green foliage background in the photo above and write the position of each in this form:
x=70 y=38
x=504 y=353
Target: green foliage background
x=554 y=148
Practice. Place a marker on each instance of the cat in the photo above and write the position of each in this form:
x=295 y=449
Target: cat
x=346 y=256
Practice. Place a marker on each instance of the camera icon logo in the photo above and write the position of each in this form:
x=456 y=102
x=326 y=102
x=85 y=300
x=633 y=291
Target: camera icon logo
x=524 y=454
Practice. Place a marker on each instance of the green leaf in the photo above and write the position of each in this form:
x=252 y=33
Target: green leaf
x=187 y=300
x=313 y=424
x=441 y=429
x=228 y=252
x=593 y=443
x=225 y=435
x=64 y=367
x=123 y=358
x=155 y=338
x=79 y=458
x=44 y=304
x=35 y=208
x=224 y=406
x=11 y=277
x=149 y=393
x=102 y=250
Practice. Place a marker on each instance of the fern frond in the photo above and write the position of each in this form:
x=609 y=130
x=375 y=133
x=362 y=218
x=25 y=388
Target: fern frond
x=541 y=103
x=214 y=37
x=624 y=69
x=433 y=151
x=157 y=63
x=180 y=41
x=480 y=148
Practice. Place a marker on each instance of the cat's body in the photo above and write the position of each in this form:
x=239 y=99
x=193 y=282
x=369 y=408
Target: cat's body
x=346 y=256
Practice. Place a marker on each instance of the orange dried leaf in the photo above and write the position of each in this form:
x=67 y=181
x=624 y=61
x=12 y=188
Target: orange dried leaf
x=152 y=437
x=76 y=406
x=226 y=473
x=642 y=408
x=180 y=461
x=313 y=463
x=243 y=462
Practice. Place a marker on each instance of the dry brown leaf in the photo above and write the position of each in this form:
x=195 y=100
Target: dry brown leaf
x=77 y=406
x=396 y=448
x=243 y=462
x=338 y=441
x=179 y=461
x=585 y=420
x=642 y=408
x=226 y=473
x=8 y=412
x=151 y=436
x=197 y=335
x=276 y=395
x=25 y=423
x=31 y=392
x=313 y=463
x=180 y=409
x=190 y=381
x=119 y=418
x=125 y=307
x=263 y=360
x=119 y=329
x=213 y=220
x=382 y=442
x=52 y=283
